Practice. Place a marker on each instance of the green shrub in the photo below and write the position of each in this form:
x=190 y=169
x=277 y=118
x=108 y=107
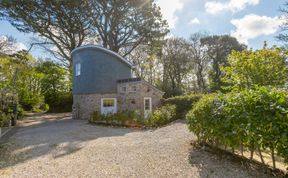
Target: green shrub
x=60 y=103
x=256 y=119
x=162 y=116
x=183 y=103
x=4 y=119
x=124 y=118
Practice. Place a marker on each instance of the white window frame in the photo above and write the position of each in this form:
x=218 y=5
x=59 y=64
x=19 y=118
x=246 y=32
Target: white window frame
x=150 y=104
x=115 y=104
x=78 y=69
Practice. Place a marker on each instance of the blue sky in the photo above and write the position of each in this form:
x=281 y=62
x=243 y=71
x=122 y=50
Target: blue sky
x=251 y=21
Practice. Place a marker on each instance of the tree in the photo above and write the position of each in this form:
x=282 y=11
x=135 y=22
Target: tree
x=218 y=49
x=176 y=64
x=61 y=24
x=55 y=86
x=124 y=25
x=65 y=25
x=265 y=67
x=200 y=60
x=284 y=36
x=19 y=70
x=6 y=44
x=146 y=61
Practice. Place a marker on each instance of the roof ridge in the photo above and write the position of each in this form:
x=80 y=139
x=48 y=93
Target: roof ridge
x=103 y=49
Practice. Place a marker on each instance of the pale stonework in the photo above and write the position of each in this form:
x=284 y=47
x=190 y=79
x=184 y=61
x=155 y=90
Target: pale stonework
x=127 y=99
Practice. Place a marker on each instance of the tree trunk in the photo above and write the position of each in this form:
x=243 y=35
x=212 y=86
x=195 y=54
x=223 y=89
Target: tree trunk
x=241 y=148
x=251 y=154
x=273 y=158
x=261 y=156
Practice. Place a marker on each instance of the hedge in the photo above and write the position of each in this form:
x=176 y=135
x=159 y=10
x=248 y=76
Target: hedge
x=183 y=103
x=161 y=116
x=251 y=119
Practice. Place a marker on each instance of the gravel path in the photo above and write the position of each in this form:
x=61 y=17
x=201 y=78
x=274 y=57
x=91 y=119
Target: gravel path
x=73 y=148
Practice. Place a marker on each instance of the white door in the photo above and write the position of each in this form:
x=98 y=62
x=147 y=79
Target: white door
x=147 y=106
x=108 y=105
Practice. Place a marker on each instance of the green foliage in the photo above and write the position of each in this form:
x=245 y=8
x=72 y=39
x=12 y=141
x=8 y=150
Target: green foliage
x=255 y=119
x=124 y=118
x=183 y=103
x=18 y=73
x=7 y=99
x=36 y=83
x=162 y=116
x=218 y=49
x=265 y=67
x=63 y=103
x=55 y=87
x=4 y=119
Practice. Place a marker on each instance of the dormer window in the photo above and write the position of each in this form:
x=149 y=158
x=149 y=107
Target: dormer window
x=78 y=69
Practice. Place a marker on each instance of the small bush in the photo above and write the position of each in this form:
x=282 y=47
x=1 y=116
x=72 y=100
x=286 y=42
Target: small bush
x=4 y=119
x=162 y=116
x=124 y=118
x=183 y=103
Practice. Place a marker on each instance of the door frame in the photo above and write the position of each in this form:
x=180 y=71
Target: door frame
x=115 y=104
x=150 y=105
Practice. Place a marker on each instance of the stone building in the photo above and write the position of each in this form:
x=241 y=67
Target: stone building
x=103 y=81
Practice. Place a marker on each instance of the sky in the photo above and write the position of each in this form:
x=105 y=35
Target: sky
x=251 y=21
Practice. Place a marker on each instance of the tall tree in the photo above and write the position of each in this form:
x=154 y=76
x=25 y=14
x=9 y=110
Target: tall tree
x=55 y=86
x=19 y=70
x=124 y=25
x=265 y=67
x=218 y=49
x=284 y=36
x=62 y=24
x=146 y=61
x=176 y=64
x=200 y=60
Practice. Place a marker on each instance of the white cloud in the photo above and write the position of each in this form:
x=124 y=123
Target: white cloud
x=194 y=21
x=10 y=47
x=252 y=26
x=168 y=10
x=215 y=7
x=19 y=46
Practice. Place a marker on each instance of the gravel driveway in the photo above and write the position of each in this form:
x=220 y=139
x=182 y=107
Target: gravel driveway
x=53 y=147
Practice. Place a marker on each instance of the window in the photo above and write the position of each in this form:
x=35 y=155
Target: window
x=147 y=104
x=108 y=102
x=124 y=89
x=78 y=69
x=134 y=88
x=108 y=105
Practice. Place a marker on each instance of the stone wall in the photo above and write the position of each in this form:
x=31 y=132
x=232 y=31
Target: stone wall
x=130 y=96
x=134 y=100
x=84 y=105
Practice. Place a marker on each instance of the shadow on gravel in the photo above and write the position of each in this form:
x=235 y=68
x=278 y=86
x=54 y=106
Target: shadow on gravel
x=212 y=162
x=56 y=138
